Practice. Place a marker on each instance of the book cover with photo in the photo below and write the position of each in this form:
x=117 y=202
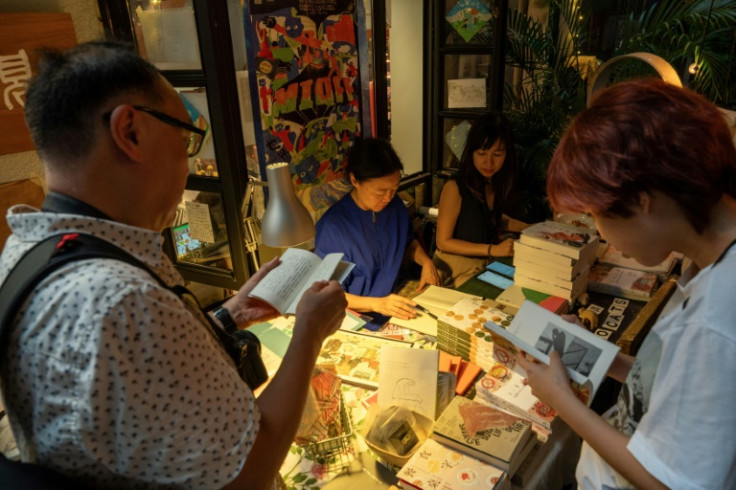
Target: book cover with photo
x=625 y=283
x=610 y=255
x=560 y=238
x=484 y=432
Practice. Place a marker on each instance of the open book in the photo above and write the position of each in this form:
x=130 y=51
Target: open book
x=284 y=286
x=538 y=331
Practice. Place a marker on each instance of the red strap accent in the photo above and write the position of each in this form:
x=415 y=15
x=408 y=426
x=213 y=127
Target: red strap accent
x=65 y=239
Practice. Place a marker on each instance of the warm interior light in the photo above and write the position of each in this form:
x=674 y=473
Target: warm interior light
x=693 y=68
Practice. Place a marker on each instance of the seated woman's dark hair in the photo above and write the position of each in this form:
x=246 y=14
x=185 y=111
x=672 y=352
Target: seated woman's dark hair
x=372 y=158
x=482 y=135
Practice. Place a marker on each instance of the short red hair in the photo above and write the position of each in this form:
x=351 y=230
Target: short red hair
x=641 y=136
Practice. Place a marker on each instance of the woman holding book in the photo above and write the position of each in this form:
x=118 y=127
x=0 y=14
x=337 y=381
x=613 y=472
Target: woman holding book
x=471 y=219
x=659 y=169
x=371 y=226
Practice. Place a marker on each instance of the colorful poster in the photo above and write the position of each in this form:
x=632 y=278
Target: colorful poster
x=308 y=86
x=468 y=17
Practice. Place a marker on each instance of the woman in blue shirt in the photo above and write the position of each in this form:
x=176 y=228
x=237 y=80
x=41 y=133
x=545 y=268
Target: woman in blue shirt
x=371 y=226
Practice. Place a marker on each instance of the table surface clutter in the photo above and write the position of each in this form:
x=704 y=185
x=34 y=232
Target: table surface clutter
x=403 y=377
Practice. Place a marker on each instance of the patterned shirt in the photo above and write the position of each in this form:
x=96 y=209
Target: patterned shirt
x=111 y=378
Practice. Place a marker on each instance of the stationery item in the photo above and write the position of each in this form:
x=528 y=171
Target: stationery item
x=495 y=279
x=501 y=268
x=485 y=433
x=426 y=311
x=538 y=331
x=284 y=286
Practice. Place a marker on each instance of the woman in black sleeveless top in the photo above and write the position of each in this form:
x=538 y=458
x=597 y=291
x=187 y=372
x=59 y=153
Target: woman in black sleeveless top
x=471 y=215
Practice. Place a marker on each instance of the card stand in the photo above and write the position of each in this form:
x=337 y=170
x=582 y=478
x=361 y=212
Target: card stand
x=335 y=453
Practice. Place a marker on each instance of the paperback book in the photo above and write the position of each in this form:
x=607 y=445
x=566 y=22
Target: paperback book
x=538 y=266
x=355 y=357
x=434 y=302
x=569 y=293
x=537 y=331
x=486 y=433
x=625 y=283
x=461 y=331
x=573 y=284
x=560 y=238
x=515 y=295
x=284 y=286
x=537 y=255
x=505 y=387
x=610 y=255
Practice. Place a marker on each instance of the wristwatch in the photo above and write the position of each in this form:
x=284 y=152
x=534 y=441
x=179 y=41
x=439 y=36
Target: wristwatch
x=227 y=321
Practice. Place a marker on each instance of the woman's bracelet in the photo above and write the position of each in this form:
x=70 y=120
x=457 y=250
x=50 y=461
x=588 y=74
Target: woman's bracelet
x=489 y=250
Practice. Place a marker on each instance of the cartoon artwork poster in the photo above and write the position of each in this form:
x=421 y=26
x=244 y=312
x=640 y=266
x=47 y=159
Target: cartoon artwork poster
x=308 y=85
x=468 y=17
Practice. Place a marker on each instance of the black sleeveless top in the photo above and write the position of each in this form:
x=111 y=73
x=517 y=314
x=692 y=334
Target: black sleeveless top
x=476 y=223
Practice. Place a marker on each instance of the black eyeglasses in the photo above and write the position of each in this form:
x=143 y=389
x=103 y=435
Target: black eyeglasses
x=196 y=135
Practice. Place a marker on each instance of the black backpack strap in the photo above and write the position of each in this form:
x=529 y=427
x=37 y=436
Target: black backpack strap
x=47 y=256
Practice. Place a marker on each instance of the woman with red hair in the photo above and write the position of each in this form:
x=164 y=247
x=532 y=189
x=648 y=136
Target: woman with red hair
x=655 y=166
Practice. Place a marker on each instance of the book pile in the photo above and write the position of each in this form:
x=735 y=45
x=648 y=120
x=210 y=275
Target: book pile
x=486 y=433
x=515 y=295
x=460 y=329
x=554 y=258
x=504 y=387
x=435 y=466
x=610 y=255
x=625 y=283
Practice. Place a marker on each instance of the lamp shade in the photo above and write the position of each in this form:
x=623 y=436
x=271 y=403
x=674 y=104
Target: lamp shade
x=286 y=221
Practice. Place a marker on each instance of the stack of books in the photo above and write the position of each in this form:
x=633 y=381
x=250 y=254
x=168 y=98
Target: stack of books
x=624 y=283
x=504 y=387
x=610 y=255
x=485 y=433
x=460 y=329
x=555 y=258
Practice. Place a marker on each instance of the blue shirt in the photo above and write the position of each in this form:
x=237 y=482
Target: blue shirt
x=376 y=248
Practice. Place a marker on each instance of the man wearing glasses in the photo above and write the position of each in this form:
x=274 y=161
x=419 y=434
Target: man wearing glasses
x=109 y=377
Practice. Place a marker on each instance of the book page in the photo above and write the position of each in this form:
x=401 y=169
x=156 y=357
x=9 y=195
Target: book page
x=438 y=299
x=320 y=271
x=405 y=379
x=286 y=282
x=538 y=331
